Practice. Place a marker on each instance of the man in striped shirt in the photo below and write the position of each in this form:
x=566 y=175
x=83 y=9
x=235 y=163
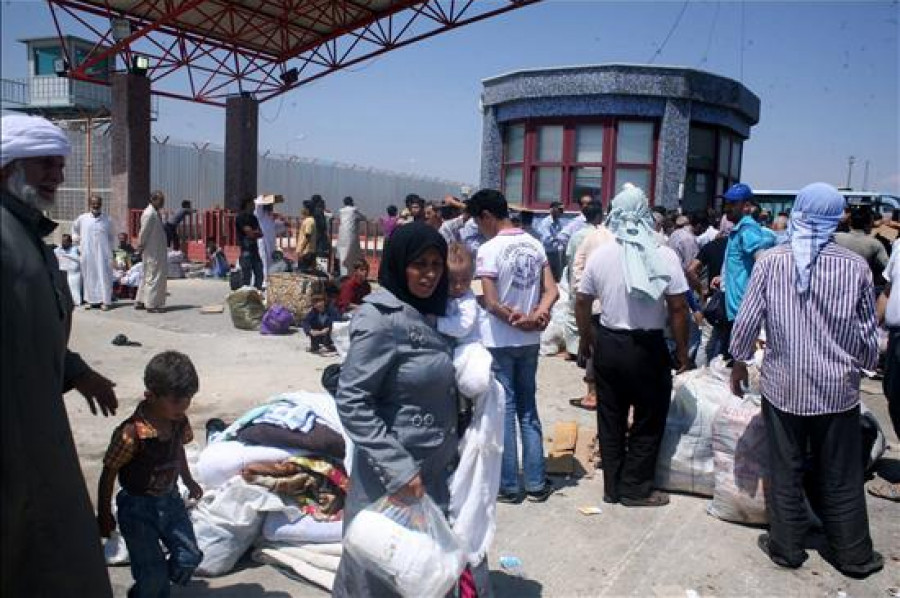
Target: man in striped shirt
x=816 y=302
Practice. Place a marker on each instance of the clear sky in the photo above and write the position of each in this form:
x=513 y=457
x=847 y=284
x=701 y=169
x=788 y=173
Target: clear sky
x=826 y=72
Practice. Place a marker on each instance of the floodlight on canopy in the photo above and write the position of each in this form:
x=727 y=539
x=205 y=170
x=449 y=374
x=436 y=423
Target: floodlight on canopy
x=207 y=50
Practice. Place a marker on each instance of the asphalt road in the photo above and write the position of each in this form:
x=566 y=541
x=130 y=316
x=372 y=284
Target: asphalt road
x=671 y=551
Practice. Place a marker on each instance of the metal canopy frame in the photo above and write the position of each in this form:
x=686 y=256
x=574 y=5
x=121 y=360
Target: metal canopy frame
x=258 y=47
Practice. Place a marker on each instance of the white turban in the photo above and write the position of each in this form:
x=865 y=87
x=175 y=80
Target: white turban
x=31 y=137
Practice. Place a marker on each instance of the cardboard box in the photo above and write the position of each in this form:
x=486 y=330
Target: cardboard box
x=268 y=200
x=561 y=459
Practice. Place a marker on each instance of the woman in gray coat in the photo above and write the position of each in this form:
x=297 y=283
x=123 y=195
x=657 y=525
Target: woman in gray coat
x=396 y=396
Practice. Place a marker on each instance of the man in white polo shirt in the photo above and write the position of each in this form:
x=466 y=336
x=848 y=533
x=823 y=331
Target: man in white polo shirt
x=519 y=290
x=889 y=315
x=639 y=283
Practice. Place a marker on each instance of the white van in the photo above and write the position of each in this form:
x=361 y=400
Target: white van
x=776 y=202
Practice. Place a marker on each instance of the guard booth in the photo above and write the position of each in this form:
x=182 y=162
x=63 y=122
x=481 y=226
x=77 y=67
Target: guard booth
x=51 y=92
x=81 y=108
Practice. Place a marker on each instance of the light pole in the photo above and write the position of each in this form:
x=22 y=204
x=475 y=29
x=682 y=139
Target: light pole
x=850 y=162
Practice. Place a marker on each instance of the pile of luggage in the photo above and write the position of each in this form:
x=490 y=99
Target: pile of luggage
x=286 y=301
x=275 y=481
x=715 y=444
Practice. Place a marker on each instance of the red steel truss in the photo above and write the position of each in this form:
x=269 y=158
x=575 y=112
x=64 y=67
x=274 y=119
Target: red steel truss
x=206 y=50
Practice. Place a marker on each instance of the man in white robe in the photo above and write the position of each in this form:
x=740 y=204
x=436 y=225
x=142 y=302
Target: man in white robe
x=349 y=251
x=151 y=293
x=93 y=231
x=69 y=260
x=271 y=227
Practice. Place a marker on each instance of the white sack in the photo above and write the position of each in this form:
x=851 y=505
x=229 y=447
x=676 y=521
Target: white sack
x=280 y=527
x=227 y=521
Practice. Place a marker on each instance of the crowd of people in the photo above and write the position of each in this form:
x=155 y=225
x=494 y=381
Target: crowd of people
x=653 y=292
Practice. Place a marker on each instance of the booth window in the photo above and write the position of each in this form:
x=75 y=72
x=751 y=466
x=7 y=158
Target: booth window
x=635 y=145
x=514 y=160
x=45 y=60
x=564 y=160
x=547 y=166
x=587 y=173
x=713 y=165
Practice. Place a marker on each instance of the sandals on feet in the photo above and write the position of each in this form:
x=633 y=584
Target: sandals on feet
x=884 y=489
x=580 y=403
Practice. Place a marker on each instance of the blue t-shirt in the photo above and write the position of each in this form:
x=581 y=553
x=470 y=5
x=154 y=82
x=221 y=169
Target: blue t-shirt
x=747 y=238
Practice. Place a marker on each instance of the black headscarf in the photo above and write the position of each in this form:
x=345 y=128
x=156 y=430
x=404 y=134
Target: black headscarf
x=408 y=243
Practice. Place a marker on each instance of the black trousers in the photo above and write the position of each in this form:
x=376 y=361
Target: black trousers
x=632 y=369
x=829 y=446
x=557 y=261
x=589 y=371
x=172 y=238
x=891 y=383
x=251 y=266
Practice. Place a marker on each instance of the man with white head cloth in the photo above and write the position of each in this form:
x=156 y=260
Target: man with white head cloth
x=50 y=542
x=271 y=226
x=639 y=282
x=817 y=304
x=93 y=231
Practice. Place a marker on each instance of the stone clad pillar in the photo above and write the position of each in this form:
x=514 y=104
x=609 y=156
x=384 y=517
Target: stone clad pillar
x=671 y=162
x=491 y=149
x=130 y=146
x=241 y=149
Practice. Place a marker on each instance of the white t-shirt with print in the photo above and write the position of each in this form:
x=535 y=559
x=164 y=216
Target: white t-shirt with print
x=604 y=278
x=515 y=261
x=892 y=275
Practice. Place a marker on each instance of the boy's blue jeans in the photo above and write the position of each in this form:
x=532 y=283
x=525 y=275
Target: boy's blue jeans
x=145 y=521
x=516 y=370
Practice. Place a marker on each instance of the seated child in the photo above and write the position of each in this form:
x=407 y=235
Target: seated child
x=125 y=283
x=124 y=251
x=354 y=288
x=147 y=454
x=216 y=261
x=317 y=326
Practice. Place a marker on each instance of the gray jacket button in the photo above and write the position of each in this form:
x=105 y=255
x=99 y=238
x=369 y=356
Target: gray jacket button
x=417 y=420
x=428 y=419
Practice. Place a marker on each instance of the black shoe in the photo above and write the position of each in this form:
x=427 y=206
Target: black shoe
x=763 y=543
x=655 y=499
x=509 y=498
x=610 y=499
x=543 y=494
x=859 y=571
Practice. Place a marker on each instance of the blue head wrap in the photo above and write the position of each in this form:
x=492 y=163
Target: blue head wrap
x=815 y=216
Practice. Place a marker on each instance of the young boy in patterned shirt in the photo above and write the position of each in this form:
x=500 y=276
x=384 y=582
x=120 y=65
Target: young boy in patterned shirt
x=146 y=453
